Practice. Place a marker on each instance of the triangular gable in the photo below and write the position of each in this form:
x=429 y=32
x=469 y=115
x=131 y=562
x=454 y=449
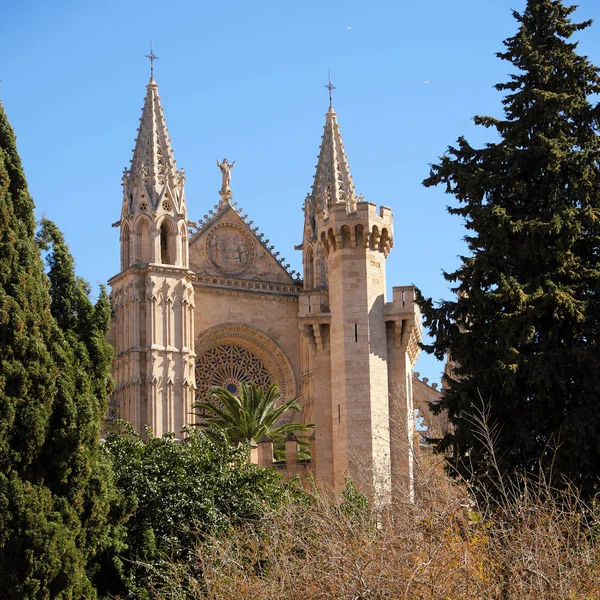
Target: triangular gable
x=226 y=245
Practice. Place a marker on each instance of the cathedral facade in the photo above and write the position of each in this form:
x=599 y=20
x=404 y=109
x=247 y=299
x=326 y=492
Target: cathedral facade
x=209 y=303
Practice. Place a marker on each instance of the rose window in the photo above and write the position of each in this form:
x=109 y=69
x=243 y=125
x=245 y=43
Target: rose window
x=228 y=366
x=143 y=205
x=166 y=205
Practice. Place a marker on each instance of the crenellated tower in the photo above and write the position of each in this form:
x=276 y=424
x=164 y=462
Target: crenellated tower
x=359 y=350
x=152 y=296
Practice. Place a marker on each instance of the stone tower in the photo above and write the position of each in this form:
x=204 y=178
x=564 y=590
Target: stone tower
x=152 y=296
x=359 y=350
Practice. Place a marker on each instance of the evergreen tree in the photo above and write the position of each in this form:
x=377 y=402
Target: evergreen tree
x=523 y=332
x=76 y=420
x=55 y=491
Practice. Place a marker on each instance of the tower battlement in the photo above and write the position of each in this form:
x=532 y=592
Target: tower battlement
x=366 y=227
x=361 y=209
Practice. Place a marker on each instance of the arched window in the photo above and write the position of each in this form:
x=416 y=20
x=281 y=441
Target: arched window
x=125 y=243
x=324 y=242
x=143 y=242
x=184 y=246
x=167 y=256
x=331 y=238
x=309 y=269
x=320 y=267
x=346 y=237
x=358 y=235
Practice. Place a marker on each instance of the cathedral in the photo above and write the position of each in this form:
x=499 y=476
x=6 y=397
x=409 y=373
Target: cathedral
x=207 y=303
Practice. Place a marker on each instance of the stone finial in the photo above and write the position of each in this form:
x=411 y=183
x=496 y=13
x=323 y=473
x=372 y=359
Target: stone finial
x=226 y=196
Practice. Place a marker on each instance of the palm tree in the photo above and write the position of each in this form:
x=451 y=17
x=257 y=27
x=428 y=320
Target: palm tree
x=251 y=415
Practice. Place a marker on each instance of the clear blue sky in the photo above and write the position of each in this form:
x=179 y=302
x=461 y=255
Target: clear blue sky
x=245 y=80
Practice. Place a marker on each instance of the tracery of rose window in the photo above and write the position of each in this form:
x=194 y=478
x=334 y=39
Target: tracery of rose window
x=228 y=366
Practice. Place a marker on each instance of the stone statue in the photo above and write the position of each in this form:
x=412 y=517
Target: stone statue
x=225 y=167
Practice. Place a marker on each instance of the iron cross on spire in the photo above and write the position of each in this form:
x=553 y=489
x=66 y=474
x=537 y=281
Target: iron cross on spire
x=330 y=87
x=151 y=57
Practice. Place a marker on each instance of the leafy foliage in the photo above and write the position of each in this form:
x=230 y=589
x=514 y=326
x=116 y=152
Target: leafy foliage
x=251 y=415
x=55 y=494
x=179 y=490
x=523 y=331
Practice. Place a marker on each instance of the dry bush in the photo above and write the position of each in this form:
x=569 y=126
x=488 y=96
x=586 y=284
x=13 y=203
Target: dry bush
x=538 y=545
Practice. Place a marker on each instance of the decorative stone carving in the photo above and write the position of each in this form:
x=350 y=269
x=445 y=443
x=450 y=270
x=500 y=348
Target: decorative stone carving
x=228 y=366
x=230 y=249
x=259 y=345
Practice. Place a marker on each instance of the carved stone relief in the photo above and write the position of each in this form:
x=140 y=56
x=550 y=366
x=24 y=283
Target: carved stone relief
x=248 y=355
x=228 y=366
x=230 y=249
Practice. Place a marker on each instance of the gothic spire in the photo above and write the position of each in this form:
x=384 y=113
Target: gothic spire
x=333 y=182
x=153 y=168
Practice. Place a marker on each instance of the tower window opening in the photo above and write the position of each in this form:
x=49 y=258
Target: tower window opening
x=356 y=332
x=331 y=237
x=143 y=249
x=166 y=242
x=346 y=237
x=125 y=246
x=358 y=235
x=309 y=269
x=339 y=414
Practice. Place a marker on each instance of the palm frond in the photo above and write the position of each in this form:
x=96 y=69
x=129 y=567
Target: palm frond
x=250 y=415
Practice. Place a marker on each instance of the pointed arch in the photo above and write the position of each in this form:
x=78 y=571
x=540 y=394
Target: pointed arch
x=144 y=247
x=324 y=242
x=167 y=243
x=309 y=268
x=320 y=267
x=183 y=245
x=253 y=340
x=331 y=238
x=359 y=235
x=125 y=247
x=346 y=237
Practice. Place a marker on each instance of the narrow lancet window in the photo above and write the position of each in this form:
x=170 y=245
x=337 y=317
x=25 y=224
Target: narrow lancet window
x=166 y=243
x=125 y=243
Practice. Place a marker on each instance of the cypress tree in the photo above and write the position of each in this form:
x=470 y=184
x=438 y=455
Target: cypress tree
x=523 y=330
x=55 y=490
